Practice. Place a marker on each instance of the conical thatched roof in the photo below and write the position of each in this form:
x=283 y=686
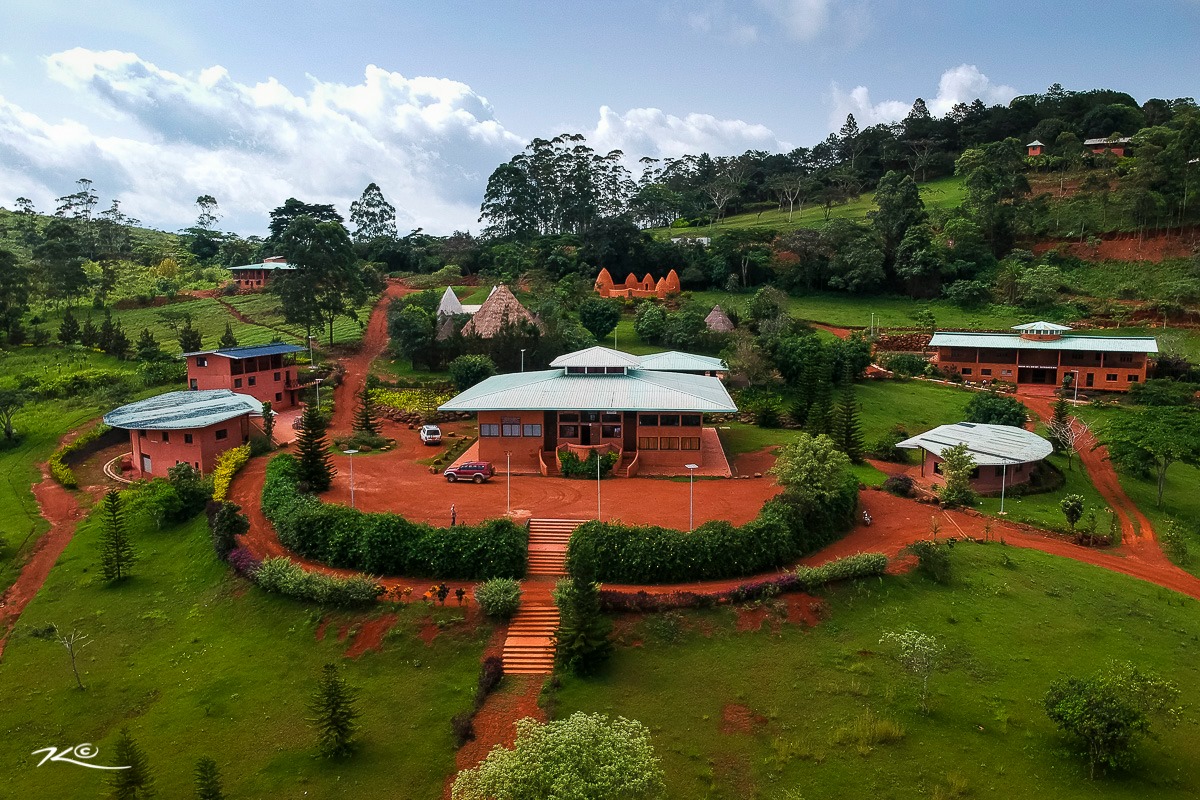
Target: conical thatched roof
x=718 y=321
x=501 y=308
x=450 y=304
x=445 y=329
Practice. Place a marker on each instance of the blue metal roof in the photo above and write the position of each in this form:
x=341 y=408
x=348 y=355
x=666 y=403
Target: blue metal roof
x=250 y=350
x=183 y=410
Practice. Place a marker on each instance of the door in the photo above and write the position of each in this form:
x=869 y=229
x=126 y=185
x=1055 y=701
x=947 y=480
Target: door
x=585 y=434
x=145 y=464
x=1090 y=381
x=549 y=430
x=629 y=431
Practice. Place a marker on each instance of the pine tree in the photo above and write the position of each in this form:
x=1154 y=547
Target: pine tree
x=68 y=331
x=135 y=782
x=364 y=418
x=845 y=428
x=116 y=553
x=88 y=335
x=820 y=413
x=1060 y=421
x=314 y=463
x=335 y=714
x=227 y=338
x=147 y=347
x=208 y=780
x=582 y=641
x=189 y=338
x=107 y=330
x=118 y=341
x=268 y=418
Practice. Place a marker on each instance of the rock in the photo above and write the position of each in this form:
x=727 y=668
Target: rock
x=364 y=448
x=758 y=474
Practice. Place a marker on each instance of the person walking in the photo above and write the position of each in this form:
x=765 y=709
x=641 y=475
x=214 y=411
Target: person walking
x=453 y=515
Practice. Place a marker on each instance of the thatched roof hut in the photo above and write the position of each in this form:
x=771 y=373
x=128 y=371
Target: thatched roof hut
x=718 y=321
x=500 y=309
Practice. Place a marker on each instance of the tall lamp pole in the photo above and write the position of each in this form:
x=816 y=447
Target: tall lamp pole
x=522 y=359
x=1003 y=484
x=597 y=452
x=351 y=454
x=508 y=470
x=311 y=360
x=691 y=468
x=1076 y=384
x=317 y=381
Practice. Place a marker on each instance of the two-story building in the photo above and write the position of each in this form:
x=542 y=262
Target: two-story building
x=1044 y=353
x=254 y=277
x=266 y=372
x=605 y=400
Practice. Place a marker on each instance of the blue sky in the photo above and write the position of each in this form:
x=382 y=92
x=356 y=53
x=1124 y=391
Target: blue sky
x=255 y=101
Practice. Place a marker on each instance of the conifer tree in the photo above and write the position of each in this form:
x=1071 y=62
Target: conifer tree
x=116 y=553
x=364 y=418
x=107 y=330
x=88 y=333
x=1059 y=421
x=227 y=338
x=118 y=341
x=820 y=413
x=845 y=428
x=208 y=780
x=582 y=641
x=268 y=417
x=147 y=346
x=68 y=331
x=135 y=782
x=314 y=463
x=190 y=339
x=335 y=713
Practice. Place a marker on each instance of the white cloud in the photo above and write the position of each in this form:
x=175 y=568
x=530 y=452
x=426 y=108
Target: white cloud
x=801 y=19
x=962 y=84
x=652 y=132
x=430 y=143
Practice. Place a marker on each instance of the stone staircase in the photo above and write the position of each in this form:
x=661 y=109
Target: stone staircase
x=529 y=646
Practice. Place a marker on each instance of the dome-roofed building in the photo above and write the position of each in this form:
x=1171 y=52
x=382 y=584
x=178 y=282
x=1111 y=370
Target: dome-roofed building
x=1004 y=455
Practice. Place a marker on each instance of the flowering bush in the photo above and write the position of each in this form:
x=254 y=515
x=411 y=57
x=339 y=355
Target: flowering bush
x=499 y=597
x=228 y=465
x=59 y=470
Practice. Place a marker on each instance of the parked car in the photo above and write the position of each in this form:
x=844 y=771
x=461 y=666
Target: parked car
x=477 y=471
x=431 y=434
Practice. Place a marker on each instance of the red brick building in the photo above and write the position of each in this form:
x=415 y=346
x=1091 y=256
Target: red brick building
x=1117 y=145
x=253 y=277
x=266 y=372
x=633 y=288
x=184 y=428
x=1004 y=455
x=1034 y=148
x=1043 y=353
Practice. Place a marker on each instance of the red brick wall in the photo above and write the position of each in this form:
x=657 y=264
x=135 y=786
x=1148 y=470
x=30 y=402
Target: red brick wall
x=201 y=452
x=990 y=478
x=981 y=367
x=266 y=386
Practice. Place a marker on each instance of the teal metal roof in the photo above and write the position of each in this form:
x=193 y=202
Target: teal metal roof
x=1074 y=342
x=675 y=361
x=183 y=410
x=990 y=445
x=596 y=357
x=636 y=390
x=266 y=265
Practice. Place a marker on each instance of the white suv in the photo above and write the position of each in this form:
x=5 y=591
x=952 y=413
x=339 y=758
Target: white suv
x=431 y=434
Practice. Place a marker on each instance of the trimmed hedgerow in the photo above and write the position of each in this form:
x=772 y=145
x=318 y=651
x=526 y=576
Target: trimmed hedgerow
x=59 y=470
x=387 y=544
x=286 y=577
x=783 y=531
x=228 y=465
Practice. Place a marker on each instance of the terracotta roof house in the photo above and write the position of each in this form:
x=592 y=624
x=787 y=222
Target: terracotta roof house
x=1044 y=353
x=718 y=321
x=647 y=287
x=500 y=309
x=1004 y=455
x=266 y=372
x=184 y=427
x=253 y=277
x=606 y=400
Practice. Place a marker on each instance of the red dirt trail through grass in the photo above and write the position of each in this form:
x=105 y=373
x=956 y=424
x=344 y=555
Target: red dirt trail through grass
x=375 y=341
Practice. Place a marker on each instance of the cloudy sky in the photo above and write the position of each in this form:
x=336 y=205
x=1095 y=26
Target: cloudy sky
x=252 y=102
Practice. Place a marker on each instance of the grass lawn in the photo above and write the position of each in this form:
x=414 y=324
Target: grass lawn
x=264 y=308
x=917 y=405
x=1043 y=510
x=1012 y=622
x=197 y=662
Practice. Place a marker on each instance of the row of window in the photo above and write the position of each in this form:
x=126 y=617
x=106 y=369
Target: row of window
x=1110 y=377
x=595 y=370
x=589 y=416
x=669 y=420
x=222 y=433
x=572 y=431
x=668 y=443
x=507 y=428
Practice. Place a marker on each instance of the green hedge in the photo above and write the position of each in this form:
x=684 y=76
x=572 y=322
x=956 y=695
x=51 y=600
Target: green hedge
x=387 y=544
x=571 y=466
x=782 y=532
x=284 y=576
x=59 y=470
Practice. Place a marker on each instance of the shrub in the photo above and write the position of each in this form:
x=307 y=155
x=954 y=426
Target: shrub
x=228 y=464
x=59 y=471
x=225 y=524
x=571 y=466
x=462 y=725
x=499 y=597
x=1174 y=543
x=899 y=485
x=906 y=364
x=933 y=558
x=884 y=448
x=244 y=562
x=386 y=543
x=284 y=576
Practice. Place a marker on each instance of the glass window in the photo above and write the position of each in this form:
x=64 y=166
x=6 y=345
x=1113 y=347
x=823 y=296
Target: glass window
x=237 y=383
x=690 y=420
x=1111 y=377
x=966 y=370
x=668 y=443
x=1132 y=378
x=201 y=361
x=252 y=380
x=689 y=443
x=510 y=426
x=278 y=397
x=985 y=372
x=609 y=416
x=595 y=370
x=669 y=420
x=648 y=419
x=568 y=417
x=647 y=443
x=277 y=375
x=1125 y=357
x=531 y=430
x=575 y=370
x=187 y=438
x=591 y=416
x=568 y=431
x=615 y=370
x=489 y=429
x=610 y=431
x=223 y=433
x=166 y=436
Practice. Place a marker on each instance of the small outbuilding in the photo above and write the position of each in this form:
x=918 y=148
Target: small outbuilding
x=1004 y=455
x=1034 y=148
x=718 y=321
x=185 y=427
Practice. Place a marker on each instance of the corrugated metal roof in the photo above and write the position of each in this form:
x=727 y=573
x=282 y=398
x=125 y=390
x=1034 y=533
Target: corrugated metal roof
x=675 y=361
x=267 y=265
x=990 y=445
x=183 y=410
x=1042 y=325
x=449 y=306
x=1075 y=342
x=552 y=390
x=250 y=350
x=1118 y=140
x=596 y=357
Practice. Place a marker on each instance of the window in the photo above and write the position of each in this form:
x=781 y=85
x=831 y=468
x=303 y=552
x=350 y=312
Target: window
x=648 y=419
x=609 y=416
x=489 y=429
x=647 y=443
x=166 y=436
x=610 y=431
x=251 y=380
x=614 y=370
x=690 y=420
x=568 y=431
x=595 y=370
x=201 y=361
x=187 y=438
x=193 y=385
x=237 y=383
x=141 y=434
x=278 y=375
x=279 y=397
x=572 y=417
x=531 y=430
x=575 y=370
x=1126 y=358
x=668 y=443
x=1006 y=372
x=1111 y=377
x=985 y=372
x=510 y=426
x=689 y=443
x=967 y=370
x=669 y=420
x=591 y=416
x=1132 y=378
x=223 y=433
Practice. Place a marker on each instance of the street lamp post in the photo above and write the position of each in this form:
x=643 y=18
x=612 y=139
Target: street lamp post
x=508 y=472
x=1076 y=384
x=317 y=381
x=597 y=485
x=1003 y=484
x=311 y=360
x=351 y=454
x=691 y=468
x=522 y=359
